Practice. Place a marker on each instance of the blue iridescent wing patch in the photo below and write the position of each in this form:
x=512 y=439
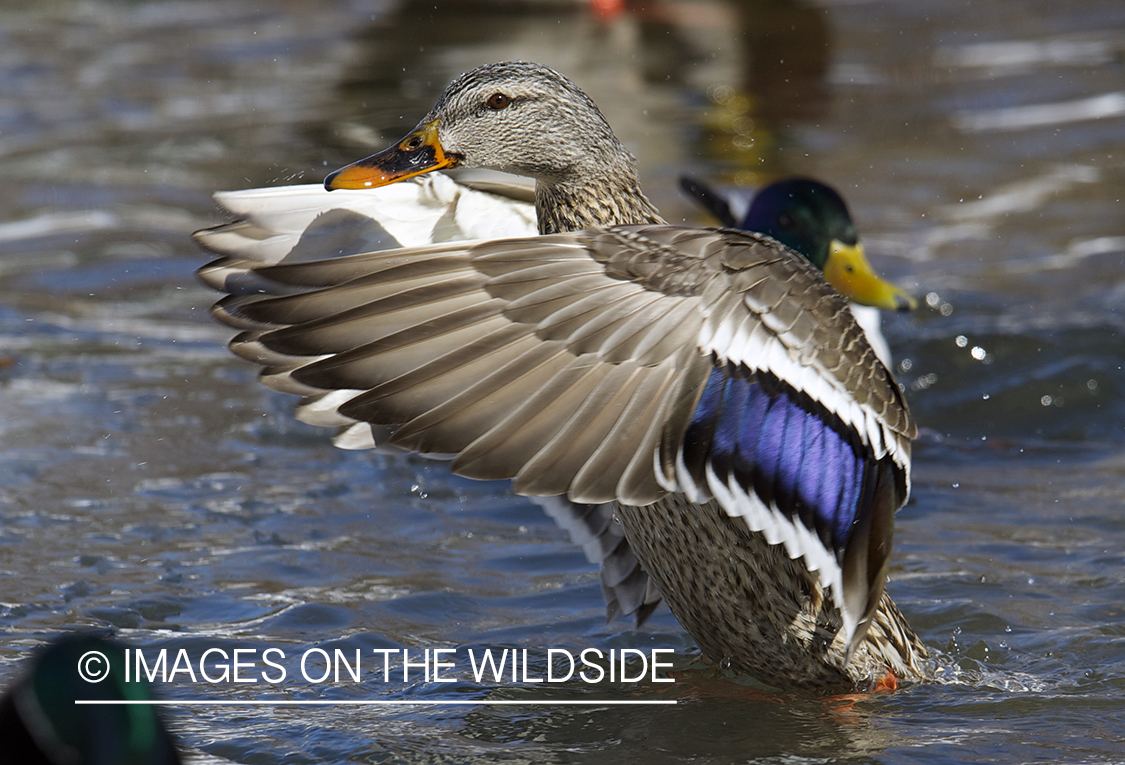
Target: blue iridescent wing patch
x=792 y=453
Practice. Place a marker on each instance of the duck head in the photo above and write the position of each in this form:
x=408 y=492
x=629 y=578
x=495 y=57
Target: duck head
x=812 y=219
x=516 y=117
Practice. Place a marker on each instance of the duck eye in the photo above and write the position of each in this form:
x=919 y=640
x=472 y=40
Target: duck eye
x=498 y=101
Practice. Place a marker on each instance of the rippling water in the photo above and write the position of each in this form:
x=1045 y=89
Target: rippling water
x=151 y=489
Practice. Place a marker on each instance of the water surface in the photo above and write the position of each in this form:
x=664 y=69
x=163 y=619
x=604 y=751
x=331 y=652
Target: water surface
x=152 y=490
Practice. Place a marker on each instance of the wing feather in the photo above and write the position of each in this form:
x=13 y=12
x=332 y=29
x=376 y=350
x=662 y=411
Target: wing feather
x=607 y=365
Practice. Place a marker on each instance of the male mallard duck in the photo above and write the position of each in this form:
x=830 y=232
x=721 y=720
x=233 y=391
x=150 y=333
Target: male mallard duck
x=812 y=218
x=708 y=383
x=40 y=721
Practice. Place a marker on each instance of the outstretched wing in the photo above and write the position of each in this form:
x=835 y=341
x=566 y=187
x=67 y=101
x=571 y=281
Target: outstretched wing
x=606 y=365
x=307 y=222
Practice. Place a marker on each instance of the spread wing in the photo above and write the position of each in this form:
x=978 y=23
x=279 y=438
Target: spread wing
x=610 y=365
x=307 y=222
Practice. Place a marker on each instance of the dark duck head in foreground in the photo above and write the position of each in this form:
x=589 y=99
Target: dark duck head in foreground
x=75 y=705
x=708 y=383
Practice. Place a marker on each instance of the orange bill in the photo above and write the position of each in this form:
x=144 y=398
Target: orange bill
x=418 y=153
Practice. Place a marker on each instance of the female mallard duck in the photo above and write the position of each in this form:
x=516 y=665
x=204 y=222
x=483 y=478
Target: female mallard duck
x=812 y=218
x=710 y=384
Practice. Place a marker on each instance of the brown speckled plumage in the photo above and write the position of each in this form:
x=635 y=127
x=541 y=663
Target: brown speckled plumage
x=606 y=202
x=749 y=602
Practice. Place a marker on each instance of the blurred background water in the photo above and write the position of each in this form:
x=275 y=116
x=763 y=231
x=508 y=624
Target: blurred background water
x=149 y=488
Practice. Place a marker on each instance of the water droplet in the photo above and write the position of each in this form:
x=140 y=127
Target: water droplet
x=961 y=341
x=1045 y=400
x=978 y=353
x=986 y=396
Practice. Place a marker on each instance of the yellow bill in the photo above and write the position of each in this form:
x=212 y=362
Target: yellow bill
x=849 y=272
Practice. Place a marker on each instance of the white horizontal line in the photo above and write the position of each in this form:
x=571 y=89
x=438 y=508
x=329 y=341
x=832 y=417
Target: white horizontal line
x=389 y=702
